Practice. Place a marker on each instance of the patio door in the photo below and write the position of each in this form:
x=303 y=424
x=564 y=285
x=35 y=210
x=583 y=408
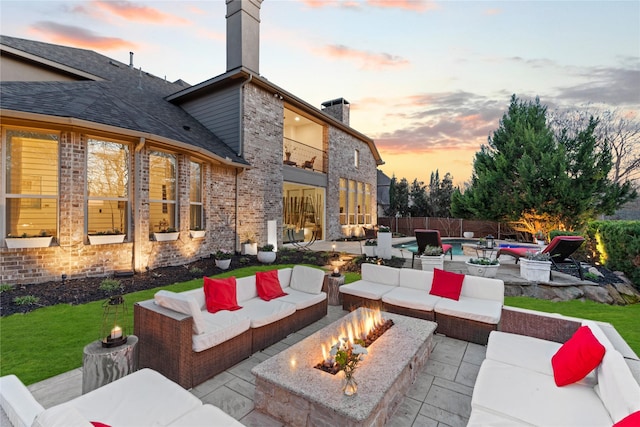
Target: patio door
x=303 y=213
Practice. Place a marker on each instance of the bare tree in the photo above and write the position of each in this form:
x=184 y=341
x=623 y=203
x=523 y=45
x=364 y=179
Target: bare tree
x=618 y=129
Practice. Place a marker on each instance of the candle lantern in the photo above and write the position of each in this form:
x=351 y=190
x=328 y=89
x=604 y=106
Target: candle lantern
x=114 y=322
x=336 y=272
x=490 y=241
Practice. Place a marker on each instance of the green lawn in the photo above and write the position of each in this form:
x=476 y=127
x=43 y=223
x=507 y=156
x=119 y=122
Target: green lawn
x=50 y=340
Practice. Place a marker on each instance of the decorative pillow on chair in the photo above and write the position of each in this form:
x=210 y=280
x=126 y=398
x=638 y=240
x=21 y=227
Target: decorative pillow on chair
x=446 y=284
x=268 y=285
x=220 y=294
x=581 y=354
x=632 y=420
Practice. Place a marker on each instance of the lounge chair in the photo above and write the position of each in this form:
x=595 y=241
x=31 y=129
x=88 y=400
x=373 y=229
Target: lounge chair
x=426 y=238
x=560 y=250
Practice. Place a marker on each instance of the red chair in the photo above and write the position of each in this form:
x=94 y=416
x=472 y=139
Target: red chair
x=560 y=250
x=426 y=238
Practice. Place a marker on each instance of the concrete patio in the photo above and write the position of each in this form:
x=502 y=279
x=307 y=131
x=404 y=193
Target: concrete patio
x=440 y=396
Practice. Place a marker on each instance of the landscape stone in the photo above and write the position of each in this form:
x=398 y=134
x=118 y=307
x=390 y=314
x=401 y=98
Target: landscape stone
x=617 y=298
x=597 y=294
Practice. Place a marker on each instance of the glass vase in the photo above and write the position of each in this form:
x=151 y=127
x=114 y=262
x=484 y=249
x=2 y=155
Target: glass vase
x=349 y=384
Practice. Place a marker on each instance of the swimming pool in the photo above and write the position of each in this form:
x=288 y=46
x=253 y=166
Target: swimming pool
x=412 y=245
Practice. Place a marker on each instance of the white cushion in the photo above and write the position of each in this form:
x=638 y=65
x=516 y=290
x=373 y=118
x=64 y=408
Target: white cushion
x=206 y=416
x=302 y=299
x=220 y=327
x=366 y=289
x=143 y=398
x=380 y=274
x=184 y=304
x=483 y=288
x=599 y=334
x=481 y=417
x=416 y=279
x=246 y=289
x=284 y=277
x=480 y=310
x=61 y=416
x=18 y=403
x=198 y=295
x=411 y=298
x=618 y=390
x=527 y=352
x=307 y=279
x=533 y=397
x=262 y=312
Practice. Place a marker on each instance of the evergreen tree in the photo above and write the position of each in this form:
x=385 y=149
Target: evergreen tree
x=536 y=181
x=418 y=196
x=402 y=197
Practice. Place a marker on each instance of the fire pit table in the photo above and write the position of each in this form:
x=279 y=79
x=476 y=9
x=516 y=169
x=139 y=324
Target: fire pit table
x=289 y=388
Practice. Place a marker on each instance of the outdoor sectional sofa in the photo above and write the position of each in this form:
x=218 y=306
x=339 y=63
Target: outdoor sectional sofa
x=143 y=398
x=407 y=291
x=181 y=339
x=515 y=385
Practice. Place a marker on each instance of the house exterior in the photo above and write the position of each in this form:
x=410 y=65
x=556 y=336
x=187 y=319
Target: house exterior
x=91 y=146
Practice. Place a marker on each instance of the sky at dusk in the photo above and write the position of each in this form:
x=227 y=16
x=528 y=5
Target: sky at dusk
x=427 y=80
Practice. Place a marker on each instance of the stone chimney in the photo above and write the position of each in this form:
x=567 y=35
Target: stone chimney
x=243 y=34
x=338 y=109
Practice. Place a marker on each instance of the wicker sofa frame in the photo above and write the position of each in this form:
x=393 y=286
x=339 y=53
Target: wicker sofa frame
x=352 y=302
x=165 y=342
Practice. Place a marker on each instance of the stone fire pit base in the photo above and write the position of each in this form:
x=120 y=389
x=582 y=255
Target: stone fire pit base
x=289 y=388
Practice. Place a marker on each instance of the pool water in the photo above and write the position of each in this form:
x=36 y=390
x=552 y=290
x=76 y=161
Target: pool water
x=412 y=245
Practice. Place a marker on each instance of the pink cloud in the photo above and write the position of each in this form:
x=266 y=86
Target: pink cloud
x=133 y=12
x=494 y=11
x=79 y=37
x=368 y=60
x=414 y=5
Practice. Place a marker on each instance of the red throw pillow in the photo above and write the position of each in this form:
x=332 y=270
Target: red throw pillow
x=268 y=285
x=446 y=284
x=577 y=357
x=220 y=294
x=631 y=420
x=99 y=424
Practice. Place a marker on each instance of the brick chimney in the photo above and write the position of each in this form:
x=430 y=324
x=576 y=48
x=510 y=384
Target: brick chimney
x=338 y=109
x=243 y=34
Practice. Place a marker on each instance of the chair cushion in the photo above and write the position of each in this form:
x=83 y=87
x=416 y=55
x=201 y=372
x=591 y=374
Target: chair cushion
x=411 y=298
x=480 y=310
x=220 y=327
x=302 y=299
x=380 y=274
x=262 y=313
x=246 y=288
x=206 y=415
x=632 y=420
x=446 y=284
x=268 y=285
x=182 y=303
x=63 y=416
x=617 y=387
x=307 y=279
x=577 y=357
x=220 y=294
x=416 y=279
x=366 y=289
x=532 y=397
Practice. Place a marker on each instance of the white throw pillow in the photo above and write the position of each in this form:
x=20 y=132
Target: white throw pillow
x=307 y=279
x=616 y=386
x=184 y=304
x=63 y=415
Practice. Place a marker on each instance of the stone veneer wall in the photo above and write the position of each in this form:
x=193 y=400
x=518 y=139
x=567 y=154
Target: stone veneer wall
x=72 y=254
x=341 y=165
x=260 y=188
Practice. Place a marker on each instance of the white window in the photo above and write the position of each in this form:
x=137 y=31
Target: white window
x=162 y=192
x=107 y=187
x=356 y=158
x=31 y=182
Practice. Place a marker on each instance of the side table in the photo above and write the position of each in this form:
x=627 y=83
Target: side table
x=484 y=250
x=332 y=287
x=102 y=365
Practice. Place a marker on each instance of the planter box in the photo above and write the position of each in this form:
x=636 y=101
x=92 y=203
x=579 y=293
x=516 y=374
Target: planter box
x=28 y=242
x=249 y=249
x=197 y=234
x=431 y=262
x=535 y=271
x=384 y=245
x=370 y=251
x=482 y=270
x=106 y=239
x=266 y=257
x=223 y=263
x=165 y=237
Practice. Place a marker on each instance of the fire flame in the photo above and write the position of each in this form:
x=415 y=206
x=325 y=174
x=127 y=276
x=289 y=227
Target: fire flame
x=358 y=328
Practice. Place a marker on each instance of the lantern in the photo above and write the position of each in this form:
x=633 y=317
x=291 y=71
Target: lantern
x=114 y=322
x=490 y=241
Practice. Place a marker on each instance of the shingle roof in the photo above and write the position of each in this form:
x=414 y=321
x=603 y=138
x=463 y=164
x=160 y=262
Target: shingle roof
x=126 y=98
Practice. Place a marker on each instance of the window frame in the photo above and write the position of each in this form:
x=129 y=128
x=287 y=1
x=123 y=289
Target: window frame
x=165 y=202
x=200 y=203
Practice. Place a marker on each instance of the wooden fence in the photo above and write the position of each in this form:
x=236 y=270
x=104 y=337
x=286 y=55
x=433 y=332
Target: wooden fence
x=453 y=227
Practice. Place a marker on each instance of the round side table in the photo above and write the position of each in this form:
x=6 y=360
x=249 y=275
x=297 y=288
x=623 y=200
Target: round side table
x=101 y=365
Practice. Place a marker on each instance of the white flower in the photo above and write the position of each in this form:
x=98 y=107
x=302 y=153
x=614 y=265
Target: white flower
x=358 y=349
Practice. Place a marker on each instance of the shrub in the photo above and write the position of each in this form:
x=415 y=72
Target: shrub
x=484 y=261
x=196 y=271
x=26 y=300
x=111 y=286
x=267 y=248
x=5 y=287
